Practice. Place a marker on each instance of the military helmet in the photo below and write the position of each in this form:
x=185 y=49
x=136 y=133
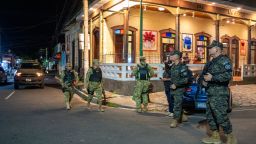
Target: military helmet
x=215 y=44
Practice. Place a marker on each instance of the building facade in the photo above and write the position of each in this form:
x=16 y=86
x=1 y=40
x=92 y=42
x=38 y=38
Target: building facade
x=186 y=25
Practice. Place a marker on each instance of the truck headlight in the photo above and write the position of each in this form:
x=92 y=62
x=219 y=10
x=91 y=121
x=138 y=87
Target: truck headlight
x=39 y=74
x=18 y=74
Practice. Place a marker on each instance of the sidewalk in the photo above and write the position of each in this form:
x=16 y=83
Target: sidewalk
x=243 y=96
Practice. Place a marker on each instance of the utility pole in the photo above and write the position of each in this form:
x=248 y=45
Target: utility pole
x=141 y=29
x=86 y=52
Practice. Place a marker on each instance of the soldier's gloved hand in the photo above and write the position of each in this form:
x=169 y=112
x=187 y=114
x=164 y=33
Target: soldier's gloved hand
x=208 y=77
x=204 y=83
x=173 y=86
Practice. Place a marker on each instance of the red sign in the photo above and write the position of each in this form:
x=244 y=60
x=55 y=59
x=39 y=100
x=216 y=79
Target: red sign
x=242 y=48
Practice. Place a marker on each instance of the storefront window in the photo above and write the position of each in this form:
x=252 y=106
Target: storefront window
x=253 y=52
x=234 y=52
x=226 y=45
x=119 y=46
x=202 y=41
x=167 y=43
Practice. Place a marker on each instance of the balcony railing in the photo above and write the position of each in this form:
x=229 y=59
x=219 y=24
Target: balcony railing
x=122 y=71
x=249 y=70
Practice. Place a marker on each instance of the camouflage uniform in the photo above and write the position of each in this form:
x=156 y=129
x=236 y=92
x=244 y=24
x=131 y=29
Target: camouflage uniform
x=94 y=83
x=217 y=104
x=68 y=79
x=143 y=72
x=179 y=78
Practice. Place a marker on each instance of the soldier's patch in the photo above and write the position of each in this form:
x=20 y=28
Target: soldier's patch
x=184 y=74
x=228 y=66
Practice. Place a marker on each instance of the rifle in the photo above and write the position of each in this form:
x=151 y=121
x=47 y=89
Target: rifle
x=204 y=72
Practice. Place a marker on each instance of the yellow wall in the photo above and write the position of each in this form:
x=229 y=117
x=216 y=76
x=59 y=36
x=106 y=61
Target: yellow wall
x=195 y=25
x=151 y=21
x=158 y=21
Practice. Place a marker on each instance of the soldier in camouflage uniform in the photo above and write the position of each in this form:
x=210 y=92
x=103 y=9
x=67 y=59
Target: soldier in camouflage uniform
x=179 y=79
x=94 y=83
x=216 y=80
x=68 y=79
x=142 y=72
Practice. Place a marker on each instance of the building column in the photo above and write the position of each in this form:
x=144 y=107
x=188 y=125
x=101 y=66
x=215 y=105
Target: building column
x=217 y=28
x=249 y=44
x=101 y=36
x=86 y=51
x=177 y=27
x=125 y=36
x=91 y=46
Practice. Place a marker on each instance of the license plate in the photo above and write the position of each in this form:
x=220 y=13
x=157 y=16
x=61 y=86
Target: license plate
x=201 y=105
x=28 y=80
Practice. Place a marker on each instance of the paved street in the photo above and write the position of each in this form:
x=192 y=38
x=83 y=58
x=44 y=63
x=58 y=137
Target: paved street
x=37 y=116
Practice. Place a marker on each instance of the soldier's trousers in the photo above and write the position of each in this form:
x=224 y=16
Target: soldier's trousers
x=97 y=88
x=216 y=112
x=178 y=98
x=68 y=95
x=140 y=94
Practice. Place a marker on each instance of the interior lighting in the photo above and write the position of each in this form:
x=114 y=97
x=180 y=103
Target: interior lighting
x=228 y=21
x=145 y=8
x=161 y=9
x=233 y=22
x=184 y=14
x=238 y=8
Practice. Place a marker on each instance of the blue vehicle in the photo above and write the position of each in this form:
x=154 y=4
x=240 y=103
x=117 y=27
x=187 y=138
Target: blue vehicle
x=195 y=98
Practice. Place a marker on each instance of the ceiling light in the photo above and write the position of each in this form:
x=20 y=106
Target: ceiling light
x=161 y=9
x=238 y=8
x=228 y=21
x=145 y=8
x=184 y=14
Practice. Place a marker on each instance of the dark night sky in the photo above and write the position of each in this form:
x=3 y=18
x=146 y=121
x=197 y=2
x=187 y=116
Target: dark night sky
x=28 y=25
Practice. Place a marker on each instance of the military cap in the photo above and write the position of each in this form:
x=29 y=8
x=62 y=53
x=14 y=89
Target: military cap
x=142 y=58
x=176 y=52
x=95 y=62
x=215 y=44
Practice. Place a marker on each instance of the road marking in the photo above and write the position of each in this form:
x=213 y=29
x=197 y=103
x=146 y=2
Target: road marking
x=9 y=95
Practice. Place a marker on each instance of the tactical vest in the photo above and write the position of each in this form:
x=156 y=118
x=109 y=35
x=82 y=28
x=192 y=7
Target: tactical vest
x=69 y=77
x=143 y=73
x=96 y=75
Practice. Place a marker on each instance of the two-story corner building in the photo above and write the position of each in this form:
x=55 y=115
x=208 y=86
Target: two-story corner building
x=187 y=25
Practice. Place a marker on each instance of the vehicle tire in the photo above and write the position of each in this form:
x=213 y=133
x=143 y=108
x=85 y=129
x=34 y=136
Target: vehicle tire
x=230 y=102
x=16 y=86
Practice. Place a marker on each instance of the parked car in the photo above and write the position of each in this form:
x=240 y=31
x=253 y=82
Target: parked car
x=195 y=98
x=3 y=76
x=30 y=73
